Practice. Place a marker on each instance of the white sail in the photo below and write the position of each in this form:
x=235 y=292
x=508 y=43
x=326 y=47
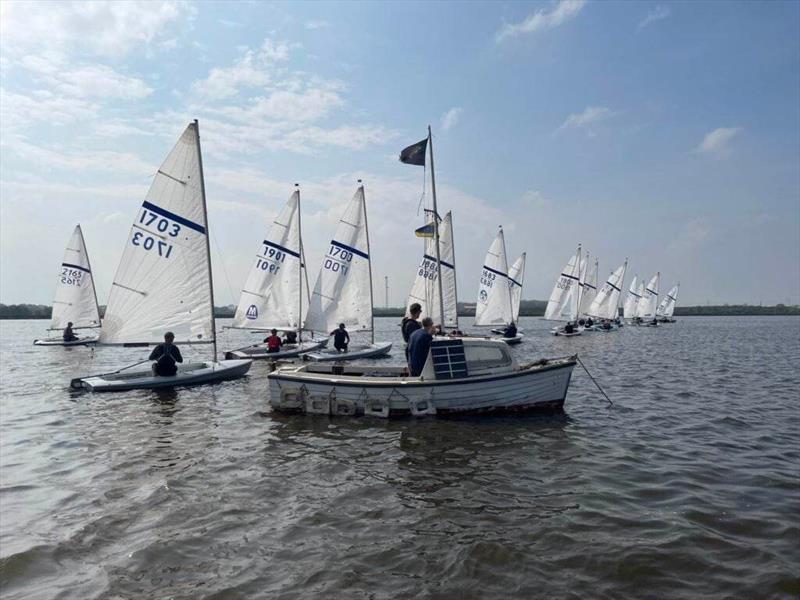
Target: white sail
x=272 y=293
x=632 y=299
x=494 y=298
x=649 y=301
x=425 y=290
x=667 y=306
x=563 y=302
x=516 y=277
x=589 y=288
x=342 y=293
x=606 y=304
x=75 y=301
x=163 y=281
x=640 y=300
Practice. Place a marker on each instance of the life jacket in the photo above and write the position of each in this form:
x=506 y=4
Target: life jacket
x=273 y=342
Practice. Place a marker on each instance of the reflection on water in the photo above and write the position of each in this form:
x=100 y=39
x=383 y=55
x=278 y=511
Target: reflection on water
x=687 y=487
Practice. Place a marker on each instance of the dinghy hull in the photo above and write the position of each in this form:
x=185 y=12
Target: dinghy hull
x=354 y=352
x=143 y=378
x=385 y=393
x=81 y=341
x=259 y=351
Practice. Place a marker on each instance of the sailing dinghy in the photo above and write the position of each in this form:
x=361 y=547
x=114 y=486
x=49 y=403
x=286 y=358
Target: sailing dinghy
x=343 y=291
x=495 y=305
x=605 y=305
x=666 y=309
x=565 y=297
x=516 y=276
x=163 y=281
x=588 y=291
x=275 y=295
x=76 y=299
x=631 y=300
x=646 y=310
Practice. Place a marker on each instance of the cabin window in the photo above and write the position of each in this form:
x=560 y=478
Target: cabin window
x=482 y=357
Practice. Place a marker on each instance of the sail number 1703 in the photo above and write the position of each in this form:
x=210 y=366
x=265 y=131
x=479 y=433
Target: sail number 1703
x=162 y=225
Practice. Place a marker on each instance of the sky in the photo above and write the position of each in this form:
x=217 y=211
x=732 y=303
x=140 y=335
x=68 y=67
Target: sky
x=667 y=133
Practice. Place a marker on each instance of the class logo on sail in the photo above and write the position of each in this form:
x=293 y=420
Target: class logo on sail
x=252 y=312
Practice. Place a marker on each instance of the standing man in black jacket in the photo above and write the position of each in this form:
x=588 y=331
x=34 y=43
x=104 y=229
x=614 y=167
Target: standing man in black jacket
x=410 y=324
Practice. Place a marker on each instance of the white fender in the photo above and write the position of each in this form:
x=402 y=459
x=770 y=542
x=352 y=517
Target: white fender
x=342 y=407
x=318 y=405
x=376 y=407
x=421 y=407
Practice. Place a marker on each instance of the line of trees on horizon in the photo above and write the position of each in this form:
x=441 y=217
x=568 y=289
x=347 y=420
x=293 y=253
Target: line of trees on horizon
x=528 y=308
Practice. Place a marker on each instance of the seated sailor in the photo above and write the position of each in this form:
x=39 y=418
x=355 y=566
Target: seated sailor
x=166 y=355
x=273 y=341
x=510 y=331
x=568 y=328
x=69 y=336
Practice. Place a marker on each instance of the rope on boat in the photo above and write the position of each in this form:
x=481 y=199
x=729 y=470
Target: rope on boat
x=602 y=391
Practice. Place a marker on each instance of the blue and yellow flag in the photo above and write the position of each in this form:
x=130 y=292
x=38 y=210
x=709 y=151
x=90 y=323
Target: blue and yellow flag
x=426 y=231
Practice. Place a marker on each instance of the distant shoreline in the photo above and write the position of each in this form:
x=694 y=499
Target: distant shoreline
x=528 y=308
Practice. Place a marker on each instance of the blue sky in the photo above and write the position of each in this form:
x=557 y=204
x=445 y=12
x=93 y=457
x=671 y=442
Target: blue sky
x=668 y=133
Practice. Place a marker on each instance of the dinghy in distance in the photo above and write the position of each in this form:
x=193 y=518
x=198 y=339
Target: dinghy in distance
x=460 y=376
x=76 y=299
x=163 y=282
x=565 y=298
x=666 y=309
x=516 y=277
x=343 y=290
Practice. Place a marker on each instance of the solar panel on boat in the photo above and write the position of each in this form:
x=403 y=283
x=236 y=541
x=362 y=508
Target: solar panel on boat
x=449 y=361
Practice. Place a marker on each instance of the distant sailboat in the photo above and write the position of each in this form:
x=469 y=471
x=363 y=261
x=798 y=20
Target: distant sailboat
x=275 y=295
x=649 y=301
x=516 y=278
x=666 y=309
x=163 y=282
x=565 y=297
x=632 y=300
x=588 y=286
x=76 y=299
x=495 y=306
x=606 y=304
x=343 y=291
x=425 y=290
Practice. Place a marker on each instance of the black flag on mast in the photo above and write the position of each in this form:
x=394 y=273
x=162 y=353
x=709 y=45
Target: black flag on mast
x=415 y=153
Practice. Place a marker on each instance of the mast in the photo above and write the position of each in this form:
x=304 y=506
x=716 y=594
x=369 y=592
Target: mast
x=508 y=282
x=453 y=244
x=94 y=283
x=436 y=233
x=300 y=269
x=369 y=263
x=208 y=235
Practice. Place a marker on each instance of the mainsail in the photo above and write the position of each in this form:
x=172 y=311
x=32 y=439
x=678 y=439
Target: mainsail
x=343 y=291
x=516 y=277
x=163 y=282
x=494 y=298
x=589 y=287
x=649 y=301
x=606 y=304
x=632 y=299
x=667 y=306
x=425 y=290
x=563 y=303
x=76 y=300
x=271 y=297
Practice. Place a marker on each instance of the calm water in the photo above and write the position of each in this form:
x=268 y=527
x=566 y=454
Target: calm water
x=688 y=487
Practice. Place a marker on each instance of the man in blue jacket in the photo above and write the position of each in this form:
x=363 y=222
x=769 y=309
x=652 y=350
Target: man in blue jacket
x=418 y=346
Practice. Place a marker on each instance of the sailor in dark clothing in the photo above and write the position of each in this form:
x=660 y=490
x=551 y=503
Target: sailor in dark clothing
x=290 y=337
x=568 y=328
x=166 y=355
x=511 y=331
x=69 y=336
x=419 y=345
x=340 y=338
x=410 y=324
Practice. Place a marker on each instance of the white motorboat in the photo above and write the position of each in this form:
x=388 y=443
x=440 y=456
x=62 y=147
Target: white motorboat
x=76 y=299
x=163 y=281
x=343 y=291
x=565 y=298
x=460 y=376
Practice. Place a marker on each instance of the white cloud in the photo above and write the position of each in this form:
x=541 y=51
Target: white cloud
x=109 y=29
x=320 y=24
x=591 y=115
x=542 y=19
x=657 y=13
x=717 y=143
x=17 y=111
x=451 y=117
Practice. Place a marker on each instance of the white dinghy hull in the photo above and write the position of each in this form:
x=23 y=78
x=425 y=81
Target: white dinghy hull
x=512 y=341
x=81 y=341
x=143 y=379
x=259 y=351
x=354 y=352
x=460 y=376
